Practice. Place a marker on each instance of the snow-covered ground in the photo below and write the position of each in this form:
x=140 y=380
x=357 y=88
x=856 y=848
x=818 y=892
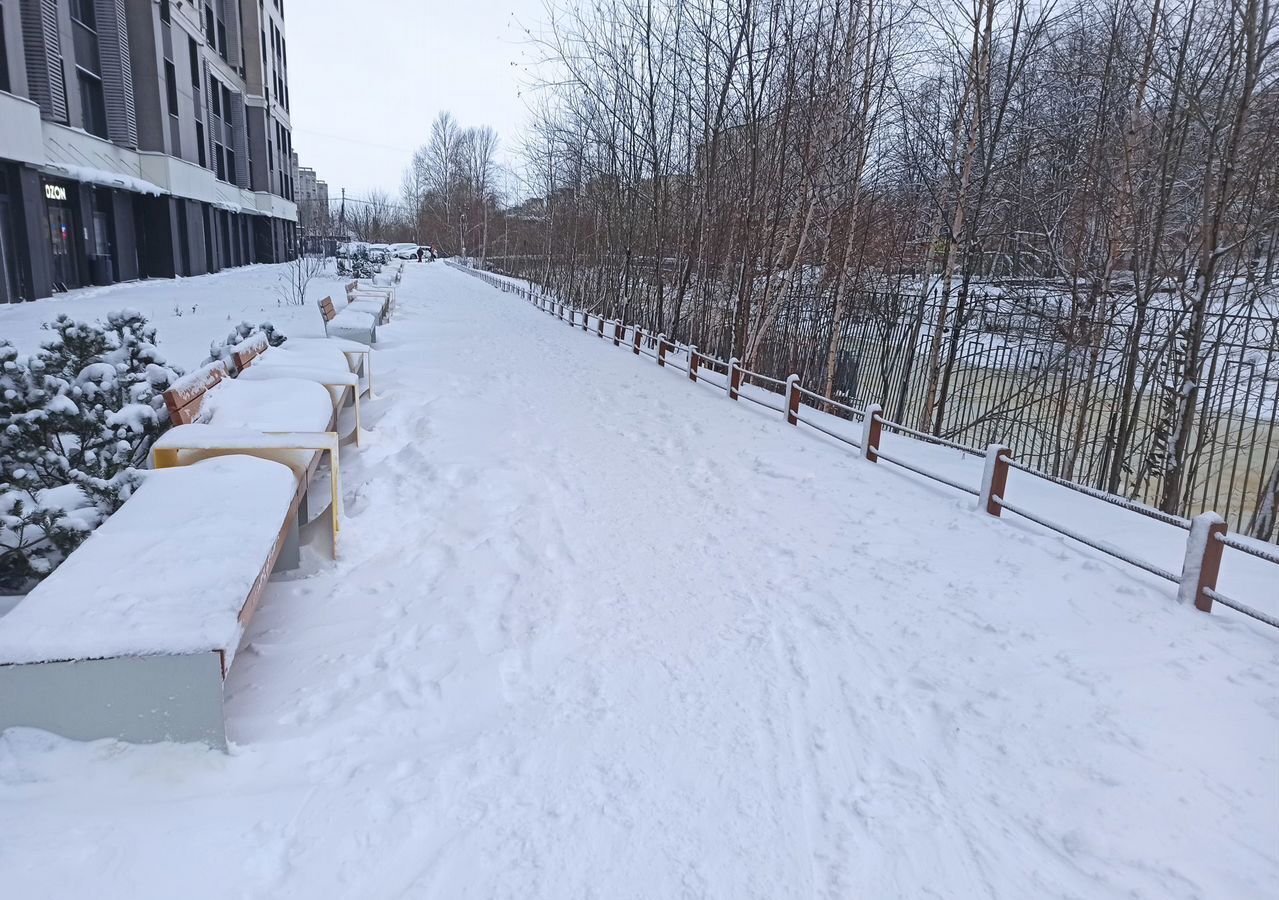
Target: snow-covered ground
x=600 y=632
x=188 y=313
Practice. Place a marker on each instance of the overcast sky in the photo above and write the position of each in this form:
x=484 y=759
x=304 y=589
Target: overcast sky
x=366 y=77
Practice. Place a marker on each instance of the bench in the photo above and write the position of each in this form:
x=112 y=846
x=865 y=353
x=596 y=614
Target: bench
x=359 y=357
x=284 y=405
x=325 y=365
x=348 y=324
x=132 y=636
x=378 y=302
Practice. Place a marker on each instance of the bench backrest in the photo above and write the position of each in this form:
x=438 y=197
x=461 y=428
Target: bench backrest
x=352 y=286
x=243 y=353
x=327 y=309
x=184 y=399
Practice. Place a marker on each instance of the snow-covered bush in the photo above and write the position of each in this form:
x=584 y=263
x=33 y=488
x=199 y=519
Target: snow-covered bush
x=76 y=421
x=359 y=265
x=220 y=351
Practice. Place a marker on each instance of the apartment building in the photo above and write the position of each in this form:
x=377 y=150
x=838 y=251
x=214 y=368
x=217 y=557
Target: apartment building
x=312 y=198
x=140 y=139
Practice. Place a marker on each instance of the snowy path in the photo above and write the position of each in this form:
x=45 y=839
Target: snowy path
x=599 y=633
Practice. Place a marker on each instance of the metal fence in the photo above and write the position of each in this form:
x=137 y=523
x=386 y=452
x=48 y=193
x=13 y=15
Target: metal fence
x=1094 y=399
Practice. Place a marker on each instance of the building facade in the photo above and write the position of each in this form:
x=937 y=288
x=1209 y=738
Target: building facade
x=141 y=139
x=313 y=201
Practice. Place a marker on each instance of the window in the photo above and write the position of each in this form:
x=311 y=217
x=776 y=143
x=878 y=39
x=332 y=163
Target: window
x=164 y=12
x=82 y=10
x=171 y=86
x=95 y=105
x=199 y=143
x=4 y=56
x=101 y=244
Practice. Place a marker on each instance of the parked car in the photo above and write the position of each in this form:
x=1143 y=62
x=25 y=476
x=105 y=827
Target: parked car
x=404 y=251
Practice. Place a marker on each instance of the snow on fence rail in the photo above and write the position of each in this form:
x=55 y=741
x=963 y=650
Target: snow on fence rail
x=1208 y=535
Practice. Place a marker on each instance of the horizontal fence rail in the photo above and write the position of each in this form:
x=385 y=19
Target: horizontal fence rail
x=1208 y=535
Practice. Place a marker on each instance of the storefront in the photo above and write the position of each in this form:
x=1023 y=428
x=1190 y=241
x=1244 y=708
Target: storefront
x=12 y=282
x=61 y=200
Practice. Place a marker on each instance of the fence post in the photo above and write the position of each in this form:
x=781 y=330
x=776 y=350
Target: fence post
x=601 y=326
x=617 y=334
x=693 y=362
x=734 y=378
x=871 y=428
x=1203 y=560
x=792 y=399
x=637 y=341
x=586 y=320
x=661 y=350
x=994 y=480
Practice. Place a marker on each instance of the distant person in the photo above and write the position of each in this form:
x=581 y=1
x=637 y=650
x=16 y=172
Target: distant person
x=419 y=254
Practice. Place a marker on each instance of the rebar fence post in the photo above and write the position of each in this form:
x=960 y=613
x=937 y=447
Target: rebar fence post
x=693 y=362
x=994 y=479
x=792 y=399
x=661 y=350
x=1203 y=560
x=871 y=428
x=734 y=378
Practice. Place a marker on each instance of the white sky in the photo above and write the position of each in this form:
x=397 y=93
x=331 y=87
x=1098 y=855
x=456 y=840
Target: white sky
x=367 y=77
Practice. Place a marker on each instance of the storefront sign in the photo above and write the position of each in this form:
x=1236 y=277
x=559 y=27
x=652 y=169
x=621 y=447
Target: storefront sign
x=55 y=192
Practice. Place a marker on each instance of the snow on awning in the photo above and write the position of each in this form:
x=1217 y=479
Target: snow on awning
x=103 y=178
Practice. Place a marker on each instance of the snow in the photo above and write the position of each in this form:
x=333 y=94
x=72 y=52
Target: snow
x=135 y=588
x=297 y=344
x=106 y=178
x=372 y=308
x=188 y=313
x=277 y=404
x=597 y=631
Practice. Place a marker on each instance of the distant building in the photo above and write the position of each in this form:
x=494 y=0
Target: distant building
x=313 y=201
x=141 y=138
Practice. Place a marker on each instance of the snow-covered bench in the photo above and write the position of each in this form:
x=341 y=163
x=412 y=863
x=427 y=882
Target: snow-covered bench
x=359 y=357
x=325 y=365
x=274 y=406
x=376 y=300
x=348 y=324
x=132 y=636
